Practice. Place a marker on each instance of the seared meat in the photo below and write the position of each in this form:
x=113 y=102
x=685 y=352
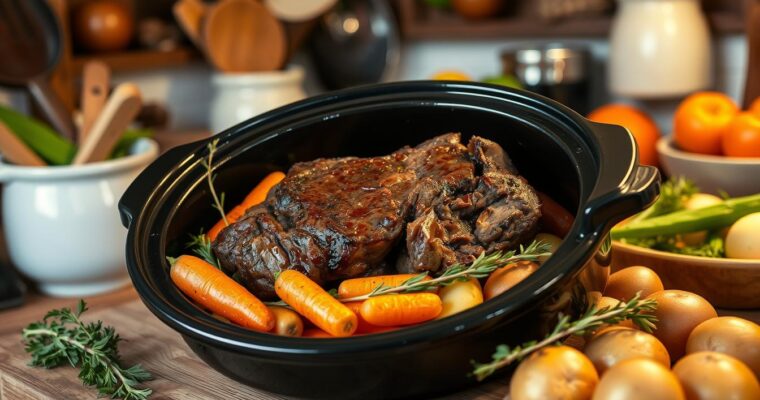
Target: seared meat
x=340 y=218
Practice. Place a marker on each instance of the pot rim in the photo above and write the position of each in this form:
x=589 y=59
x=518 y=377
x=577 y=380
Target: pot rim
x=142 y=152
x=586 y=235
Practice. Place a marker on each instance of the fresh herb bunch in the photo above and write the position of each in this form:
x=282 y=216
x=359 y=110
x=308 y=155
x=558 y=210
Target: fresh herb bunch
x=714 y=246
x=61 y=337
x=638 y=311
x=201 y=246
x=480 y=268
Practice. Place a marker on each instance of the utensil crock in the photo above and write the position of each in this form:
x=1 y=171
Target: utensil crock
x=590 y=168
x=62 y=226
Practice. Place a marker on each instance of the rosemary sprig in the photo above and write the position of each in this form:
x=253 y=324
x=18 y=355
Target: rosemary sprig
x=201 y=246
x=61 y=337
x=480 y=268
x=639 y=311
x=208 y=163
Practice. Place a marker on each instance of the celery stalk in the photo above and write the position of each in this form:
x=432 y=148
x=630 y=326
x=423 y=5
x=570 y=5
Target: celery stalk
x=717 y=216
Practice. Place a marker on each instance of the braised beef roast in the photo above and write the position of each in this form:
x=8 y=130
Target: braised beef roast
x=418 y=209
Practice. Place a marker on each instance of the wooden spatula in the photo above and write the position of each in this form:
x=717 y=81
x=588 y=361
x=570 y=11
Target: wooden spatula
x=96 y=79
x=189 y=14
x=122 y=107
x=243 y=36
x=15 y=151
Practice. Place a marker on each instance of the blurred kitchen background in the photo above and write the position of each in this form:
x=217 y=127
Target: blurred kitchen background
x=696 y=45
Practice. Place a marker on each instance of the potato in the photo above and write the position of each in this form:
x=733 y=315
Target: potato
x=678 y=313
x=554 y=373
x=506 y=277
x=639 y=379
x=553 y=241
x=743 y=239
x=734 y=336
x=460 y=296
x=605 y=302
x=624 y=284
x=708 y=375
x=613 y=346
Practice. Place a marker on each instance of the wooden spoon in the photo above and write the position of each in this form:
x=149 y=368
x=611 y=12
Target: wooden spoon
x=15 y=151
x=243 y=36
x=190 y=14
x=96 y=79
x=122 y=107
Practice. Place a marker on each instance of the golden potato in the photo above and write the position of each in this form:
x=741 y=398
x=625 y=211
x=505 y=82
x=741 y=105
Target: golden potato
x=639 y=379
x=459 y=296
x=554 y=373
x=613 y=346
x=678 y=313
x=708 y=375
x=624 y=284
x=734 y=336
x=506 y=277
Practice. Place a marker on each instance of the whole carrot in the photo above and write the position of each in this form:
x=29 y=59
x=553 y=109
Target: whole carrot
x=363 y=326
x=361 y=286
x=287 y=321
x=554 y=217
x=256 y=196
x=315 y=304
x=401 y=309
x=219 y=293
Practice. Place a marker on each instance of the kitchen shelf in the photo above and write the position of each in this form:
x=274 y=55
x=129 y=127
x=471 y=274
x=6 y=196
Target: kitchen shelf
x=420 y=23
x=138 y=59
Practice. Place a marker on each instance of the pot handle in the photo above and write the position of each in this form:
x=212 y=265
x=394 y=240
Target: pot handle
x=622 y=188
x=140 y=190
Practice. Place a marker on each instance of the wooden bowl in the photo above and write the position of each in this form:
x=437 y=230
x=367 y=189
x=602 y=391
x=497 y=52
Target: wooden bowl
x=724 y=282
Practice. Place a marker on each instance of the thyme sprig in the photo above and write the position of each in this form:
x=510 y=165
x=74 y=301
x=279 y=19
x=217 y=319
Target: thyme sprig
x=637 y=310
x=208 y=163
x=480 y=268
x=61 y=337
x=201 y=246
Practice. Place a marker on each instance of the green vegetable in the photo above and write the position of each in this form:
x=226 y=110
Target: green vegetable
x=504 y=80
x=39 y=137
x=684 y=221
x=62 y=338
x=673 y=197
x=713 y=247
x=129 y=138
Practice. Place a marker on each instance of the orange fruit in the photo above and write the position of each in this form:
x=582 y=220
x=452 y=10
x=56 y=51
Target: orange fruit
x=742 y=139
x=755 y=106
x=450 y=75
x=701 y=120
x=641 y=126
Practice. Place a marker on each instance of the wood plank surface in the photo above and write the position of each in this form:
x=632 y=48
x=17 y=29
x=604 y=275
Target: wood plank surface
x=178 y=373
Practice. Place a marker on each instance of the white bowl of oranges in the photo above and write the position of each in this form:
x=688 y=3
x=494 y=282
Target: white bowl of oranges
x=715 y=144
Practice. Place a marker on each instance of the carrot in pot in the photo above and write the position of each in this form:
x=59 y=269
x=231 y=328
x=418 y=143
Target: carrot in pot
x=554 y=217
x=401 y=309
x=219 y=293
x=315 y=304
x=287 y=321
x=360 y=286
x=316 y=333
x=363 y=326
x=256 y=196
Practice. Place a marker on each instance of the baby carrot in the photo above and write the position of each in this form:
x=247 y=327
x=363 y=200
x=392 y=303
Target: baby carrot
x=316 y=333
x=219 y=293
x=287 y=321
x=363 y=326
x=256 y=196
x=554 y=217
x=314 y=303
x=361 y=286
x=401 y=309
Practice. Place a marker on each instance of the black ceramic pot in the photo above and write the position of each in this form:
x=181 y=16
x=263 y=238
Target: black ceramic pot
x=590 y=168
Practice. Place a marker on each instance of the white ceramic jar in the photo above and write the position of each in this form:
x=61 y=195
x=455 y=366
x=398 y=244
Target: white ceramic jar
x=659 y=49
x=62 y=223
x=238 y=97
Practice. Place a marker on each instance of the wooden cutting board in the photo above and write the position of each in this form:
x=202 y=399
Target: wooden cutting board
x=178 y=373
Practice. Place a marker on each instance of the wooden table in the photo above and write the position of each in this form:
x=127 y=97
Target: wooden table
x=178 y=373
